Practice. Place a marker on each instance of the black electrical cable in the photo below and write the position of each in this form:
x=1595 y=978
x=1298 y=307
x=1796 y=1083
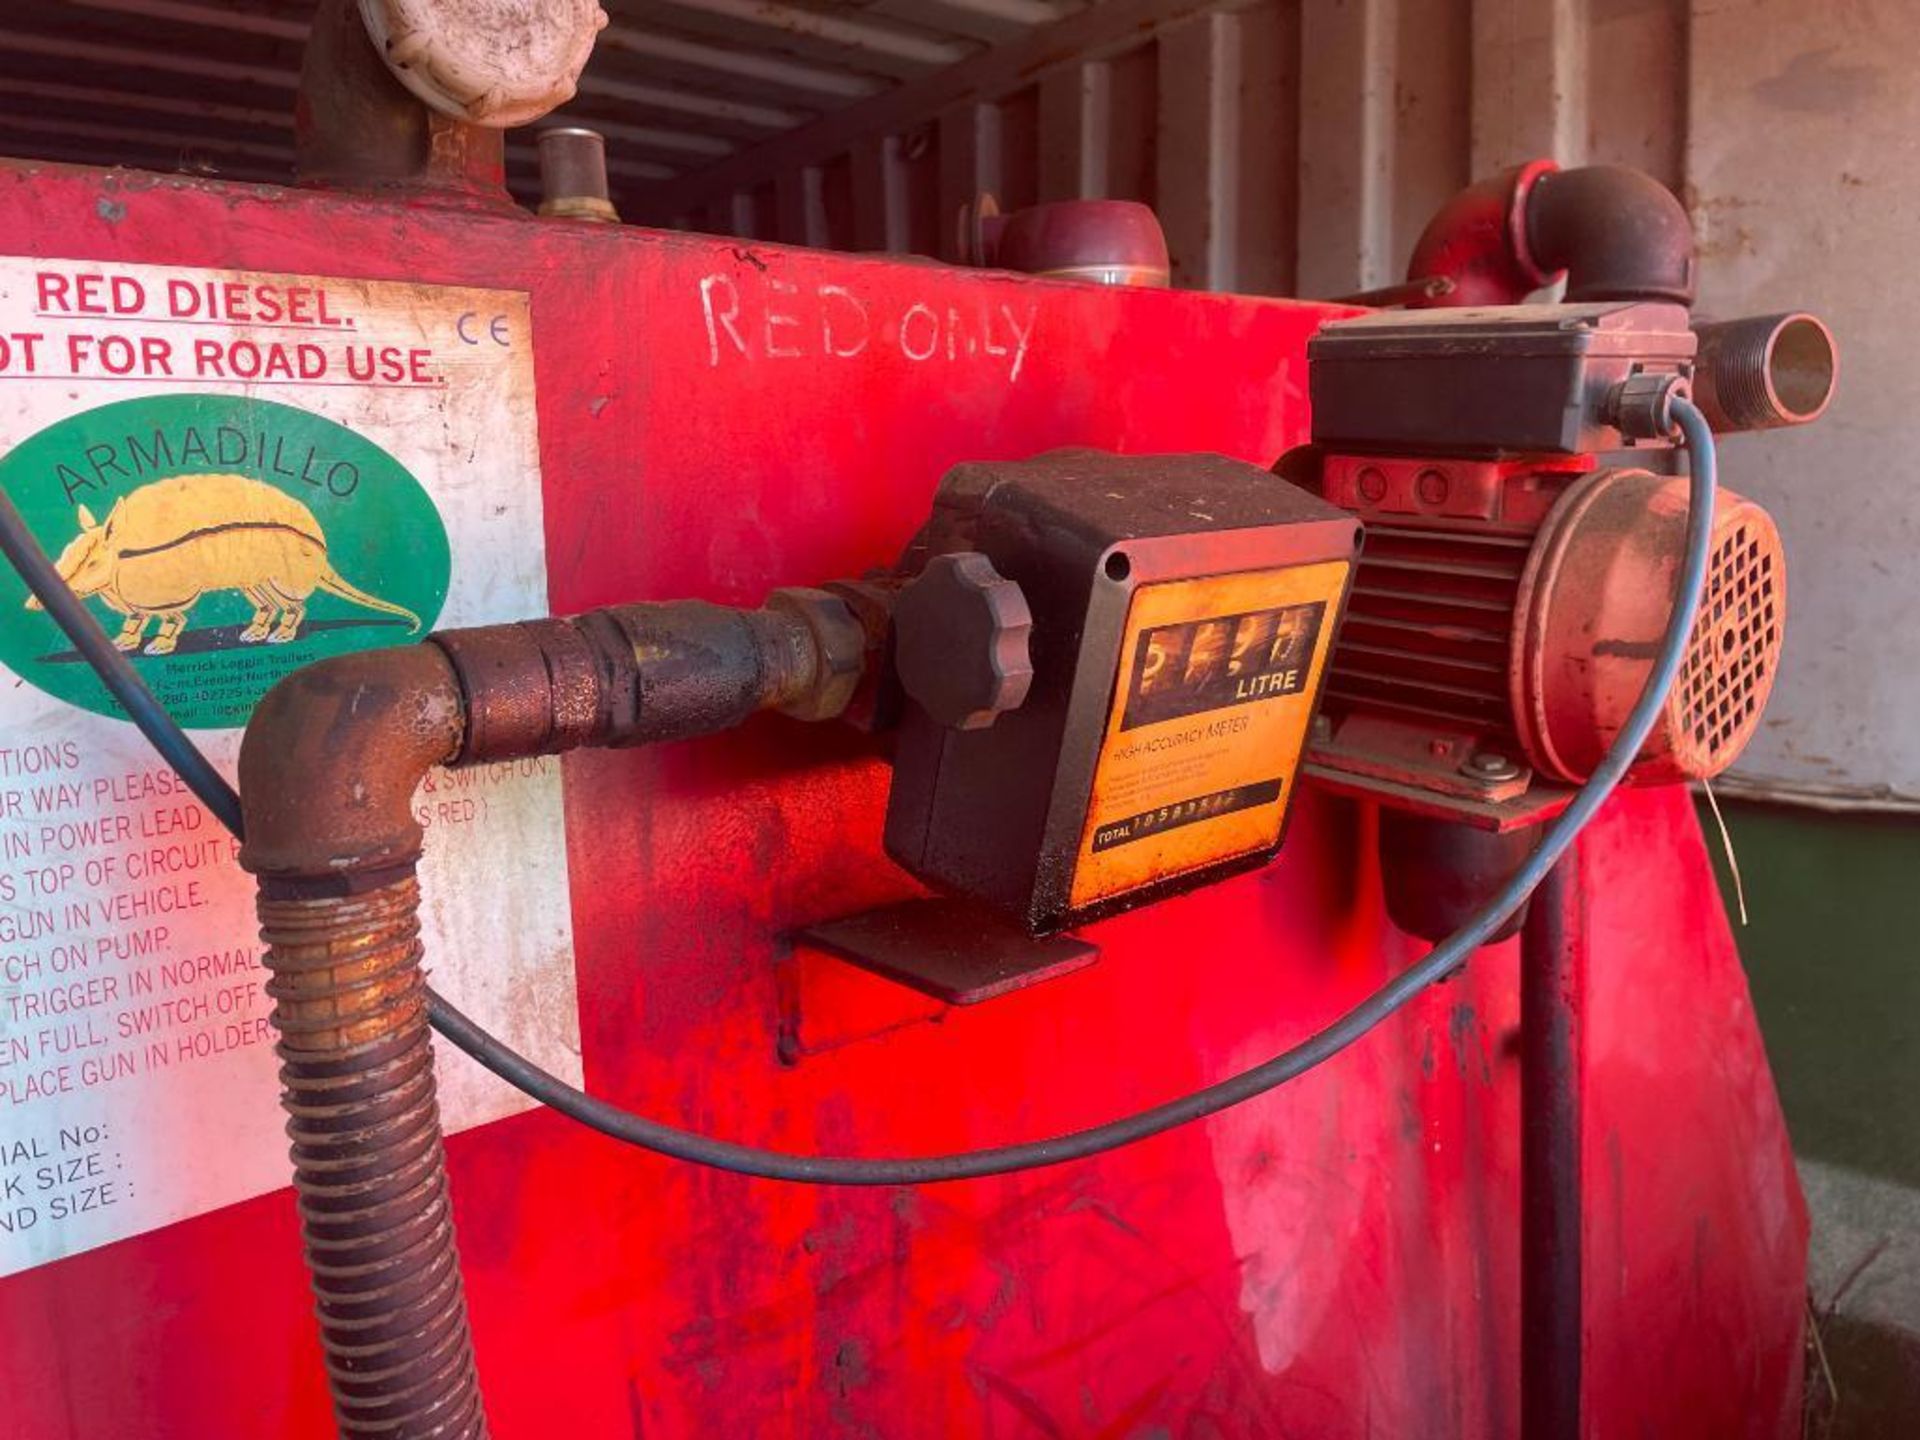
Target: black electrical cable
x=528 y=1077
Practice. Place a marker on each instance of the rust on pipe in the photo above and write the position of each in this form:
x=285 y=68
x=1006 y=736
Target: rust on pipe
x=1616 y=234
x=327 y=774
x=573 y=175
x=334 y=751
x=330 y=762
x=328 y=770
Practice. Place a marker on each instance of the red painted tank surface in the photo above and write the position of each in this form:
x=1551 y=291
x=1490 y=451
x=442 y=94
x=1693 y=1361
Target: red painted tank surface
x=1336 y=1259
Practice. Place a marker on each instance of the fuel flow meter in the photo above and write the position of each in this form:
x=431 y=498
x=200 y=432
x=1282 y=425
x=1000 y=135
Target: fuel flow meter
x=1103 y=670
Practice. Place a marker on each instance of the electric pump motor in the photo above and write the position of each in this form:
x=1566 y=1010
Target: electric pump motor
x=1524 y=529
x=1108 y=665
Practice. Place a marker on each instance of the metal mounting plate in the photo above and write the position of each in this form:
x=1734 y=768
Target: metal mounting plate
x=957 y=951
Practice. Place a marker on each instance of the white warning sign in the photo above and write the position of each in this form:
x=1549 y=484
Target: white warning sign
x=241 y=473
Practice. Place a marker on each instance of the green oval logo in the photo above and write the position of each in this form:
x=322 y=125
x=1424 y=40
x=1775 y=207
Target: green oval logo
x=223 y=542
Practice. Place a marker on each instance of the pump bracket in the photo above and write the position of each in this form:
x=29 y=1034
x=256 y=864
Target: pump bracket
x=958 y=951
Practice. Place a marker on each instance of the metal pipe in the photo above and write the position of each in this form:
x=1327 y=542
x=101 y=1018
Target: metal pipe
x=1765 y=371
x=356 y=127
x=573 y=175
x=1435 y=873
x=338 y=911
x=1618 y=234
x=1551 y=1312
x=328 y=770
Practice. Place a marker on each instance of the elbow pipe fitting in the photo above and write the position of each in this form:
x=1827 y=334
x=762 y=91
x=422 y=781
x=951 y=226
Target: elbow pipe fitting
x=1478 y=242
x=1618 y=234
x=328 y=770
x=330 y=762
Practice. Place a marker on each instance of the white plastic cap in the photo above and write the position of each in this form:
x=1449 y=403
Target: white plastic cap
x=490 y=62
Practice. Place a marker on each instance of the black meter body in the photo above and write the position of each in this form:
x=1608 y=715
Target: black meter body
x=1182 y=611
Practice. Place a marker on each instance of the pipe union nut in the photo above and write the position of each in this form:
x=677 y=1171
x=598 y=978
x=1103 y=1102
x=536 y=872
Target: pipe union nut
x=839 y=649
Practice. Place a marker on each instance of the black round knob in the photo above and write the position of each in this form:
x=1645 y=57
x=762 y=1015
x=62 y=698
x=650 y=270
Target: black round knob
x=960 y=641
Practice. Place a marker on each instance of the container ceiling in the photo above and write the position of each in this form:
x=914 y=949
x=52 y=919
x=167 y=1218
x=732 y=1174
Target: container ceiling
x=207 y=86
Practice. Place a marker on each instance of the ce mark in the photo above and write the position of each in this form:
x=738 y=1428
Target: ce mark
x=496 y=328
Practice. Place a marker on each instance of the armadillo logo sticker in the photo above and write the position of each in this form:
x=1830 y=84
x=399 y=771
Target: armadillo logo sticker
x=223 y=542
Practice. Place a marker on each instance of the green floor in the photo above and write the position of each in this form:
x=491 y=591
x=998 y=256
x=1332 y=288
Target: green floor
x=1832 y=953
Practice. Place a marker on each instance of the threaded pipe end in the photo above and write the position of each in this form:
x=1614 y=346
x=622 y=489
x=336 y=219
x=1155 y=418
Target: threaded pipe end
x=1764 y=371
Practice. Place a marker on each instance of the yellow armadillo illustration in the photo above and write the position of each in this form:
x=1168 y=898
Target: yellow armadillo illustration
x=168 y=543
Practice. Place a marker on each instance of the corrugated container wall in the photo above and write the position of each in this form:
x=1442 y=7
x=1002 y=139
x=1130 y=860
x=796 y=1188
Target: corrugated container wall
x=1298 y=147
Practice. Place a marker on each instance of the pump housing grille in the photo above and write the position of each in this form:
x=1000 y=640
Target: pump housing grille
x=1717 y=700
